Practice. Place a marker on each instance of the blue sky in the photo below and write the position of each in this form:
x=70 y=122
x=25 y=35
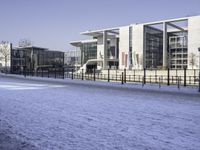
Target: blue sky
x=54 y=23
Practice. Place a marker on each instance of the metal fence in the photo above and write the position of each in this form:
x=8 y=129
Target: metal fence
x=123 y=76
x=48 y=73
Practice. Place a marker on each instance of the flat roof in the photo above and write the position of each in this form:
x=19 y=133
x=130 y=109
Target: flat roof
x=168 y=20
x=31 y=47
x=78 y=43
x=98 y=32
x=38 y=48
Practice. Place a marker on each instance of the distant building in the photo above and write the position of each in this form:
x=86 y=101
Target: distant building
x=32 y=58
x=29 y=58
x=164 y=44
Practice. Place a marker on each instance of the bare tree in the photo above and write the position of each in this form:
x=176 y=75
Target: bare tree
x=192 y=59
x=5 y=52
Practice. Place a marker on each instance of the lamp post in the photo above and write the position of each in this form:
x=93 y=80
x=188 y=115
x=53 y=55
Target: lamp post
x=199 y=68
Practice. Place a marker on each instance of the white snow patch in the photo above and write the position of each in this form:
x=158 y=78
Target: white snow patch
x=98 y=115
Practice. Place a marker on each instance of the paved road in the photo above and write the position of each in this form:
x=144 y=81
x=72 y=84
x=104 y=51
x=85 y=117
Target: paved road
x=46 y=115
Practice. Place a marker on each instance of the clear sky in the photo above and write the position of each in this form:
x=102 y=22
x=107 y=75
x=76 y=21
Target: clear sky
x=54 y=23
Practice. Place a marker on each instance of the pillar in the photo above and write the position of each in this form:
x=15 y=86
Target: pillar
x=105 y=49
x=165 y=64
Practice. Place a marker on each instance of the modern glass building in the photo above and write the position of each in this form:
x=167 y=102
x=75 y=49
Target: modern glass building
x=33 y=58
x=171 y=43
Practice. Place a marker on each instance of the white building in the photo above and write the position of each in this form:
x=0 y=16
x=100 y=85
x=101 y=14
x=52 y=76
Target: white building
x=169 y=43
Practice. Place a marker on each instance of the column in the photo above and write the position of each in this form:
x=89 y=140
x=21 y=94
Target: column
x=105 y=49
x=165 y=64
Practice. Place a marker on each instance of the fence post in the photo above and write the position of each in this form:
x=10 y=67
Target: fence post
x=159 y=83
x=82 y=74
x=199 y=80
x=156 y=75
x=184 y=76
x=116 y=75
x=63 y=73
x=72 y=74
x=55 y=72
x=25 y=73
x=125 y=75
x=178 y=83
x=94 y=75
x=122 y=78
x=168 y=76
x=42 y=73
x=176 y=74
x=108 y=75
x=144 y=80
x=48 y=72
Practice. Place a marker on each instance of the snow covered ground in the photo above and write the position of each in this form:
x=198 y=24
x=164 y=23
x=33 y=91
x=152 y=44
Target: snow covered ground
x=64 y=115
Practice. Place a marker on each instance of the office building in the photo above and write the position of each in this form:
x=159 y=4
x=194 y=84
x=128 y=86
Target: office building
x=171 y=43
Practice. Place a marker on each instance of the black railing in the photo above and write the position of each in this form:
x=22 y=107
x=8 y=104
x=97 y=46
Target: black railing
x=123 y=76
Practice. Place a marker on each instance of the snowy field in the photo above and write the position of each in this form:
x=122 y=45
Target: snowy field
x=48 y=115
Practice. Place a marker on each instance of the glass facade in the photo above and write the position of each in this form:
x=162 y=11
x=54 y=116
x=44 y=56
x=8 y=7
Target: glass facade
x=178 y=51
x=31 y=58
x=153 y=47
x=20 y=59
x=88 y=51
x=73 y=58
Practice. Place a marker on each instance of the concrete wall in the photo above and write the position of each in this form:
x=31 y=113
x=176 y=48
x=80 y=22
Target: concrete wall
x=193 y=40
x=123 y=47
x=138 y=46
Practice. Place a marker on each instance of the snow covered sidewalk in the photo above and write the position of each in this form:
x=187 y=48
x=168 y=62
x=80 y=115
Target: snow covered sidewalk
x=116 y=85
x=83 y=115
